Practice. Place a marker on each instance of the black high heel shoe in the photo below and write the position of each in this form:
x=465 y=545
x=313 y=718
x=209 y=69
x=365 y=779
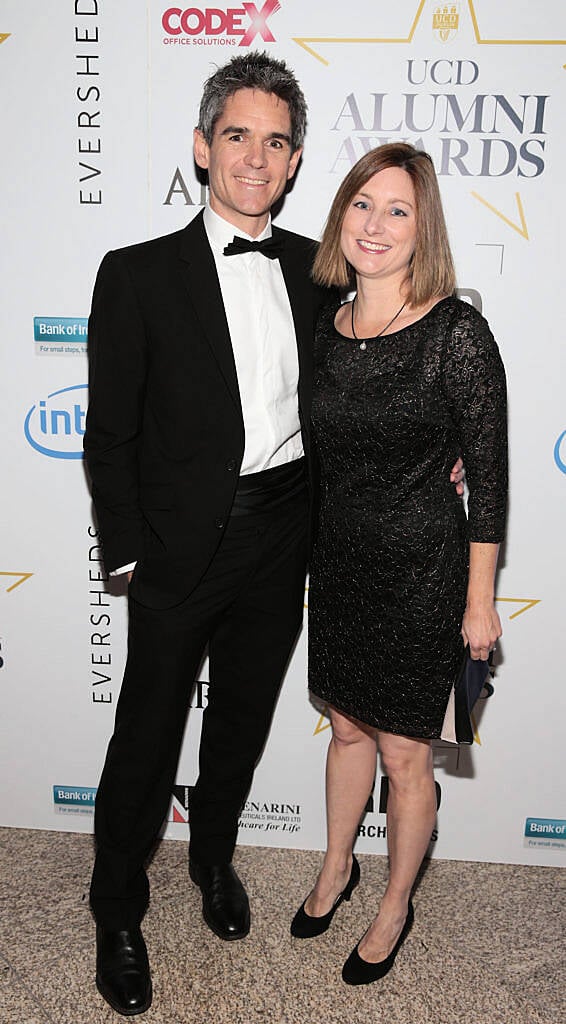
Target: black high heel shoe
x=360 y=972
x=303 y=926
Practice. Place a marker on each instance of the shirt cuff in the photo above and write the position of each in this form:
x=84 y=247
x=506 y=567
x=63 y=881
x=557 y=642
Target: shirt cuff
x=123 y=569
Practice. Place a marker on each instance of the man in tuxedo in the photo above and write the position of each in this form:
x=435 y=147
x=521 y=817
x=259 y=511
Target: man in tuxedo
x=200 y=377
x=196 y=441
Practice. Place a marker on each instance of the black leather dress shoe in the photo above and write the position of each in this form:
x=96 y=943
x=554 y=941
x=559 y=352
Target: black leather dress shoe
x=122 y=970
x=225 y=904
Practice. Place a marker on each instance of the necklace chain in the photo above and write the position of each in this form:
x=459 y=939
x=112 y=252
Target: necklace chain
x=363 y=345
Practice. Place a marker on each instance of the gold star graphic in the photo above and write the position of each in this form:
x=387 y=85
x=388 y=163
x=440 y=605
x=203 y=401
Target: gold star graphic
x=526 y=604
x=304 y=41
x=21 y=577
x=522 y=230
x=322 y=724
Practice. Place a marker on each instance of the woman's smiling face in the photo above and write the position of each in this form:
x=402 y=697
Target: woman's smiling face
x=380 y=226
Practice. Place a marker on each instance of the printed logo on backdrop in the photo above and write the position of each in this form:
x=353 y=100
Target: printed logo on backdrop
x=271 y=817
x=560 y=452
x=74 y=799
x=179 y=807
x=445 y=21
x=60 y=335
x=100 y=624
x=468 y=132
x=445 y=24
x=545 y=832
x=55 y=425
x=179 y=187
x=89 y=92
x=213 y=26
x=378 y=830
x=199 y=695
x=441 y=105
x=255 y=816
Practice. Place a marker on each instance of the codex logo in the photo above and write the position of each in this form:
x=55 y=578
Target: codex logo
x=212 y=26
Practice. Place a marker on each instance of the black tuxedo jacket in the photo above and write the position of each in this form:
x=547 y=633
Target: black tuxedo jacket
x=164 y=435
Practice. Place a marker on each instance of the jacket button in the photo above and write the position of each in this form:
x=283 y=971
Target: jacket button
x=231 y=465
x=219 y=522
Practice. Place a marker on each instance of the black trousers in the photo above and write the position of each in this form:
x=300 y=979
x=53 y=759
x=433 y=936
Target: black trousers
x=248 y=609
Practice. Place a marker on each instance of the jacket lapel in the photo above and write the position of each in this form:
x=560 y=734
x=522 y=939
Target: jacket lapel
x=203 y=289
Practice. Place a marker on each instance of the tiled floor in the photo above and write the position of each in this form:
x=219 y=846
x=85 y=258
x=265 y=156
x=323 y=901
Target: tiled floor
x=487 y=946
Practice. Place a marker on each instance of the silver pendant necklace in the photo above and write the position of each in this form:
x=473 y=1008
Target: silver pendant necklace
x=363 y=345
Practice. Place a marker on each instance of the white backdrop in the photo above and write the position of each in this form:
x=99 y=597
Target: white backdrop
x=99 y=103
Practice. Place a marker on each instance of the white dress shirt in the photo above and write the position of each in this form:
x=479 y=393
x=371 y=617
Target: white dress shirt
x=264 y=345
x=265 y=350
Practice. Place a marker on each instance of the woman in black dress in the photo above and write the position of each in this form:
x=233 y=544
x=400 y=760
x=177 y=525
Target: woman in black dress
x=407 y=377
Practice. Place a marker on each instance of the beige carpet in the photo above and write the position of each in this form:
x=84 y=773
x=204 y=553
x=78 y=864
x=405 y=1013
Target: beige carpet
x=487 y=945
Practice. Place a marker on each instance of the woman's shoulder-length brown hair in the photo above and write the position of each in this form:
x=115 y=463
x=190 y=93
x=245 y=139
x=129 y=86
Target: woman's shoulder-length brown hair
x=431 y=270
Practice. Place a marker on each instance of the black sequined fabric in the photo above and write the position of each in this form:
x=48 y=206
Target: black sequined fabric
x=388 y=575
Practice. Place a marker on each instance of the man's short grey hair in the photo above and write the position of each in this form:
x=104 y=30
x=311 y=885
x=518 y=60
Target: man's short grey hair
x=253 y=71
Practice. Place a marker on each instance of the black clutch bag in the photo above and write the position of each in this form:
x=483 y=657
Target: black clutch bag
x=470 y=682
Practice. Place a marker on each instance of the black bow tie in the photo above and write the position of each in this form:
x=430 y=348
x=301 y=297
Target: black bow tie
x=269 y=247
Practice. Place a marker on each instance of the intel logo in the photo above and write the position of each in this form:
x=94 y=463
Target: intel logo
x=560 y=452
x=56 y=425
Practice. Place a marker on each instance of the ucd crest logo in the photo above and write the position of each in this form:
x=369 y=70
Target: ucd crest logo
x=445 y=21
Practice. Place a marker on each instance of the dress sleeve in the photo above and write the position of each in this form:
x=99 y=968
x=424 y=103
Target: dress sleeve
x=475 y=388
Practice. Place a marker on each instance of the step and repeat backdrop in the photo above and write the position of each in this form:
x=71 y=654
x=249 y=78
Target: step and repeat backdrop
x=100 y=99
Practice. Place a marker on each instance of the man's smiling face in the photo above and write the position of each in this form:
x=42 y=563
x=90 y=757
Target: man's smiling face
x=250 y=160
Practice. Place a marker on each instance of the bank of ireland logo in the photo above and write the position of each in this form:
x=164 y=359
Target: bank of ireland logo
x=55 y=425
x=245 y=21
x=60 y=335
x=74 y=799
x=560 y=452
x=545 y=832
x=445 y=21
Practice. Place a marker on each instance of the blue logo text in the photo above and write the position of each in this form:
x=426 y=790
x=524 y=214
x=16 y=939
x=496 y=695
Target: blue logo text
x=56 y=424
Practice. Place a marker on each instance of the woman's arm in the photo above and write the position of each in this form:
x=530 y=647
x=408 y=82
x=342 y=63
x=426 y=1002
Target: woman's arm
x=476 y=391
x=481 y=626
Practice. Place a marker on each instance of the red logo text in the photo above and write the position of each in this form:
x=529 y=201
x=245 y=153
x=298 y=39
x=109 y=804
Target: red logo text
x=245 y=21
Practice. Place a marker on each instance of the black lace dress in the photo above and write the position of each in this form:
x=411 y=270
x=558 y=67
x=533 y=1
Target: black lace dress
x=388 y=575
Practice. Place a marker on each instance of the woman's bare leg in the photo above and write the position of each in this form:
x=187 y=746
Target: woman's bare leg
x=350 y=772
x=411 y=815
